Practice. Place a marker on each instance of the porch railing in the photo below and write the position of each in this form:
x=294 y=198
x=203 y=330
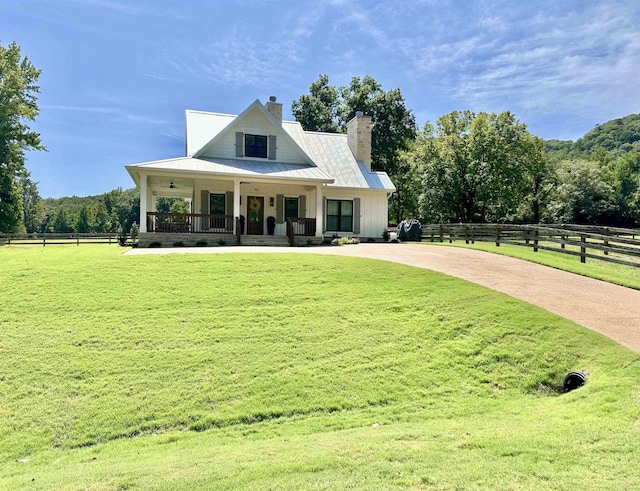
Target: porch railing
x=303 y=226
x=177 y=223
x=300 y=226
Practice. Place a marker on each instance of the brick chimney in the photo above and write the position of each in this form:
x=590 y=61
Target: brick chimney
x=275 y=108
x=359 y=138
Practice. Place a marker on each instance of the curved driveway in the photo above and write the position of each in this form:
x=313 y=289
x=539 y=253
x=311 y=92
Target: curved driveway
x=603 y=307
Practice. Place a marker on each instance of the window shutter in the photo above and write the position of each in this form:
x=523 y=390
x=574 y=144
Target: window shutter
x=228 y=209
x=239 y=144
x=324 y=214
x=356 y=216
x=204 y=209
x=302 y=206
x=272 y=147
x=279 y=208
x=204 y=202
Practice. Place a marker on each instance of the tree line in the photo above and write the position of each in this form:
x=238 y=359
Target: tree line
x=485 y=167
x=465 y=167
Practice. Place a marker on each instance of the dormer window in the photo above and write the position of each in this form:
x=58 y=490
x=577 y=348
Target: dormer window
x=263 y=147
x=255 y=146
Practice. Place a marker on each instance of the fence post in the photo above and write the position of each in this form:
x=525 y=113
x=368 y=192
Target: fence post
x=535 y=241
x=77 y=239
x=44 y=239
x=441 y=230
x=497 y=235
x=466 y=234
x=583 y=258
x=606 y=243
x=563 y=237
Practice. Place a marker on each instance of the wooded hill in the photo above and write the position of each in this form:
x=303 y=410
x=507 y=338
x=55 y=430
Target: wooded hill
x=613 y=138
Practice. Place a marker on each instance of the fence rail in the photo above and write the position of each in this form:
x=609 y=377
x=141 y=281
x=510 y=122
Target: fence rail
x=57 y=238
x=616 y=245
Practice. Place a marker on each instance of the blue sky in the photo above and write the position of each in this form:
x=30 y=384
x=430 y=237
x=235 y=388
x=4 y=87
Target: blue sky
x=119 y=74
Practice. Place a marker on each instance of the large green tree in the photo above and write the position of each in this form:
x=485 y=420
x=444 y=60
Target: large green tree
x=582 y=194
x=328 y=108
x=477 y=167
x=18 y=89
x=318 y=110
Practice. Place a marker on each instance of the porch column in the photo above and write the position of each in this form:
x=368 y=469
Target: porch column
x=236 y=203
x=319 y=214
x=143 y=204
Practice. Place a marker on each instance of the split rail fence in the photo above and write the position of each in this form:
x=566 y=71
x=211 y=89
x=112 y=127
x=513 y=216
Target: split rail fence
x=616 y=245
x=54 y=238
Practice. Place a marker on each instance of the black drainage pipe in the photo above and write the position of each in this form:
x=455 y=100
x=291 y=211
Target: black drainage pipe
x=574 y=380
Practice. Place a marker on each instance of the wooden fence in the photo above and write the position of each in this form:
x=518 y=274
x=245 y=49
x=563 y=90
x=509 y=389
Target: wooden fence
x=51 y=238
x=617 y=245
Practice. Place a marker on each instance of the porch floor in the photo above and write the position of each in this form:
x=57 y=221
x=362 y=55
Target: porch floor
x=157 y=239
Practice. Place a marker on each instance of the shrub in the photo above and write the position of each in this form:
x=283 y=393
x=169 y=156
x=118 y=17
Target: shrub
x=222 y=242
x=155 y=244
x=370 y=239
x=178 y=244
x=122 y=235
x=345 y=241
x=385 y=235
x=201 y=243
x=133 y=233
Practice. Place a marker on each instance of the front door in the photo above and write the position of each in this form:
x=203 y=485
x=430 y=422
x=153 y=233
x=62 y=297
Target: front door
x=255 y=212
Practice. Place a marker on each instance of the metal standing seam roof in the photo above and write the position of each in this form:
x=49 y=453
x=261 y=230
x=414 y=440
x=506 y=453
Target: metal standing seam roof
x=335 y=162
x=237 y=167
x=331 y=153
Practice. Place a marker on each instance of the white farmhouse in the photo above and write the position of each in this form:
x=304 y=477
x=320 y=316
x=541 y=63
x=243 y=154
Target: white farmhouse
x=255 y=179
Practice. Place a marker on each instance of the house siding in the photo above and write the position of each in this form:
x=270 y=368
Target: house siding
x=255 y=123
x=373 y=211
x=266 y=190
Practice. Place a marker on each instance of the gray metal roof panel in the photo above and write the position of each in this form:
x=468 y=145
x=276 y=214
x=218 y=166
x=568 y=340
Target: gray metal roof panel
x=237 y=167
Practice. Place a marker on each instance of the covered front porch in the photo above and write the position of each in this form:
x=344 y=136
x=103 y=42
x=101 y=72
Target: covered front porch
x=232 y=208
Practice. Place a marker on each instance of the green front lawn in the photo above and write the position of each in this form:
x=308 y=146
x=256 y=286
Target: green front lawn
x=259 y=371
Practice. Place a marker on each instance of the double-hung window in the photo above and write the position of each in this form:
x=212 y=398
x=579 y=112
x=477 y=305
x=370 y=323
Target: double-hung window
x=255 y=146
x=339 y=215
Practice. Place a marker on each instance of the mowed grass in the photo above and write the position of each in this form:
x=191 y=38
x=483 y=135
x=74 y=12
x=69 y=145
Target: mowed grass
x=618 y=274
x=259 y=371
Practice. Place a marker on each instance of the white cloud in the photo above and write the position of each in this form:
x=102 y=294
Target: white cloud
x=583 y=61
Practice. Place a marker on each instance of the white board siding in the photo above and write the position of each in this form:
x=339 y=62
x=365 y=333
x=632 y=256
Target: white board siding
x=373 y=211
x=255 y=123
x=373 y=204
x=265 y=190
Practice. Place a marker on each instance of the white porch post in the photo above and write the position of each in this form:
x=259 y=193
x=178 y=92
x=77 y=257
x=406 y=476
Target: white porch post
x=143 y=204
x=236 y=203
x=319 y=217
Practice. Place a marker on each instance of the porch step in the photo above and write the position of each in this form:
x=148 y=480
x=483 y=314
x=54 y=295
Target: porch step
x=264 y=240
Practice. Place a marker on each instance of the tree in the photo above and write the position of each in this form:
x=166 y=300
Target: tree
x=318 y=111
x=582 y=194
x=18 y=89
x=477 y=167
x=60 y=223
x=32 y=209
x=83 y=223
x=393 y=126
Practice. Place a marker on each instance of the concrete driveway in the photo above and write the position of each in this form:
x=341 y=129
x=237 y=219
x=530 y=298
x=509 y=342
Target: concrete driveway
x=603 y=307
